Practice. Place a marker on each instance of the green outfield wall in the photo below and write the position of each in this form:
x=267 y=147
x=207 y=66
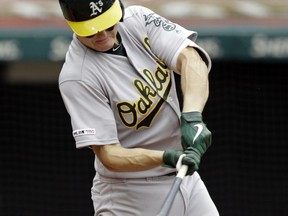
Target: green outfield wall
x=222 y=43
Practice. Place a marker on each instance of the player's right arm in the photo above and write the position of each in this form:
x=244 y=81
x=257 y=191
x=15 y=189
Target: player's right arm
x=118 y=159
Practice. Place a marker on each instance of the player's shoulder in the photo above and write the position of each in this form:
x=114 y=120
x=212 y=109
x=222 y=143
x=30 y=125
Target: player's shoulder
x=74 y=61
x=136 y=10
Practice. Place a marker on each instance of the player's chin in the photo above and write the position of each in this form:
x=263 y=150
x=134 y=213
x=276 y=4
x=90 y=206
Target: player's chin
x=103 y=47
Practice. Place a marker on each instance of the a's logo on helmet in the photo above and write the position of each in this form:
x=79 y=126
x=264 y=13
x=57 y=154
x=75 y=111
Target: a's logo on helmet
x=96 y=7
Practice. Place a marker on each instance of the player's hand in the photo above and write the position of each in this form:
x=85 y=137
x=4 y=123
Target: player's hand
x=194 y=132
x=191 y=159
x=171 y=157
x=194 y=155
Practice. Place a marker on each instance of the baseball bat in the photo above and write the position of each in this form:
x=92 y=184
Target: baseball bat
x=166 y=206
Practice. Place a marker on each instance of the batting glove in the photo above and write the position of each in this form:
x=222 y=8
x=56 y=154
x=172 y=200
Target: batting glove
x=171 y=157
x=194 y=132
x=191 y=158
x=194 y=155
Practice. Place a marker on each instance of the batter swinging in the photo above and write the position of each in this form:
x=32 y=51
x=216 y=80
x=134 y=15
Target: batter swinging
x=118 y=86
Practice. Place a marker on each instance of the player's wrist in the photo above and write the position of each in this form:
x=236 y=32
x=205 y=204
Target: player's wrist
x=192 y=116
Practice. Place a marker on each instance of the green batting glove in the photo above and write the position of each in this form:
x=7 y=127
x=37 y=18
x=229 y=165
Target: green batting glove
x=194 y=132
x=194 y=155
x=191 y=159
x=171 y=157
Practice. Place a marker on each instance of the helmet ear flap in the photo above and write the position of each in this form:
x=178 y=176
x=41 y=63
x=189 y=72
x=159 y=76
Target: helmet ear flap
x=123 y=10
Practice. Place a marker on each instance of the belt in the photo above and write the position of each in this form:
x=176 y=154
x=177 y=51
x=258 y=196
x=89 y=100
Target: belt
x=171 y=174
x=115 y=180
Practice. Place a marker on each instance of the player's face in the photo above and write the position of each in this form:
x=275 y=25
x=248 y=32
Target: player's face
x=101 y=41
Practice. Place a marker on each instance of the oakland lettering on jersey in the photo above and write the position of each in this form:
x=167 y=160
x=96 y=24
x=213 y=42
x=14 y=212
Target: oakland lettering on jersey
x=147 y=94
x=151 y=98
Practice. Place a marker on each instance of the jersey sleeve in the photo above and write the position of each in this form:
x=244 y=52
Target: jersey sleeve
x=92 y=120
x=167 y=39
x=204 y=55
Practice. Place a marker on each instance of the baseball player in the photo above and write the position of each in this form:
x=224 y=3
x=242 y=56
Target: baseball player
x=118 y=86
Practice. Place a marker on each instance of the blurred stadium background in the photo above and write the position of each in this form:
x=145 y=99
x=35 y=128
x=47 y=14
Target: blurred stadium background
x=41 y=172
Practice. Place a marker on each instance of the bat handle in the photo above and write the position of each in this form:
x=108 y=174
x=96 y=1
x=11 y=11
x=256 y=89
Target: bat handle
x=173 y=191
x=182 y=171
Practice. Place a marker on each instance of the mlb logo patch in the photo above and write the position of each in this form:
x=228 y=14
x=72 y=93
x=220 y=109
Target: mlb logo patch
x=82 y=132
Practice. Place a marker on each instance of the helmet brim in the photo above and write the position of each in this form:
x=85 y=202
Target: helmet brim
x=97 y=24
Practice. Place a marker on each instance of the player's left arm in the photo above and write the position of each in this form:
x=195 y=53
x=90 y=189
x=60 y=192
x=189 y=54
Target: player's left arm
x=194 y=79
x=196 y=137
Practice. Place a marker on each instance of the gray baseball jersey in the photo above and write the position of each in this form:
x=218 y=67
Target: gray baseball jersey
x=129 y=99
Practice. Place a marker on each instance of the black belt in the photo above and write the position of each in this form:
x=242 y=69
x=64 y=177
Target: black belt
x=171 y=174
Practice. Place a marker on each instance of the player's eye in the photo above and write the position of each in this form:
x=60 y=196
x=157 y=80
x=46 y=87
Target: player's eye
x=109 y=29
x=90 y=36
